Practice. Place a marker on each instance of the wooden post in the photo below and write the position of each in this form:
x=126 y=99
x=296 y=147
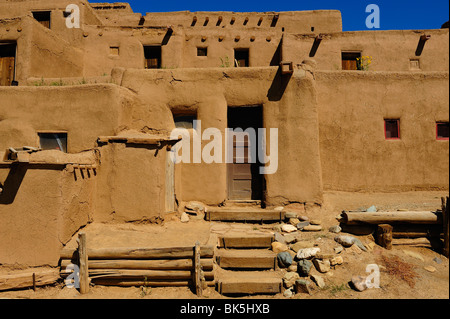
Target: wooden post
x=197 y=270
x=445 y=220
x=384 y=236
x=83 y=263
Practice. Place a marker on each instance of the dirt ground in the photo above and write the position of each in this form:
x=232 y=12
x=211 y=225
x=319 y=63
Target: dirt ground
x=403 y=273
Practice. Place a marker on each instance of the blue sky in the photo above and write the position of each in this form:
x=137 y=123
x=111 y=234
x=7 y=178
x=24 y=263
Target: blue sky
x=394 y=14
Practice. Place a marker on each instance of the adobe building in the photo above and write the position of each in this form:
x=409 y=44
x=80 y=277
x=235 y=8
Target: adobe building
x=86 y=113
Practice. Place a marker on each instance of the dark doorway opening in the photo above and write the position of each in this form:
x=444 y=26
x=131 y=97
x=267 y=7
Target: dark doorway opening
x=152 y=55
x=7 y=63
x=242 y=57
x=244 y=180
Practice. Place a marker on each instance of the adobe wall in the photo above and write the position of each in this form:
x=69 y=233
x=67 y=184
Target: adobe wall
x=391 y=50
x=43 y=203
x=208 y=93
x=354 y=153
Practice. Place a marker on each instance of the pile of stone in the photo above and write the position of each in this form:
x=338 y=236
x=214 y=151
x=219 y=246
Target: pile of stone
x=299 y=257
x=193 y=210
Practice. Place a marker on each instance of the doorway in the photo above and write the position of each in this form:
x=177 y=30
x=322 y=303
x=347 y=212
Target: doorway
x=243 y=177
x=7 y=63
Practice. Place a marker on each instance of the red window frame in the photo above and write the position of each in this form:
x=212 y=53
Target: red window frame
x=437 y=131
x=398 y=129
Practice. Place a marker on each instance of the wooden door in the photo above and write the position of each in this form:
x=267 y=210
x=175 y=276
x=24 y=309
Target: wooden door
x=244 y=180
x=7 y=63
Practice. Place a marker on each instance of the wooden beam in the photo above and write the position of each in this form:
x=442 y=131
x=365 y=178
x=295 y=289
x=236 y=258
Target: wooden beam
x=384 y=236
x=141 y=253
x=141 y=274
x=156 y=264
x=83 y=263
x=411 y=217
x=446 y=226
x=264 y=241
x=24 y=279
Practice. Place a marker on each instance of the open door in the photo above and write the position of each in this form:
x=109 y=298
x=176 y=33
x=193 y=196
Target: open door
x=244 y=179
x=7 y=63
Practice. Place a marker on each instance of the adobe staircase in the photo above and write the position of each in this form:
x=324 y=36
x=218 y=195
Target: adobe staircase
x=247 y=265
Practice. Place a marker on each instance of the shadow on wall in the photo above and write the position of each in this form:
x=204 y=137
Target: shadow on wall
x=12 y=183
x=278 y=86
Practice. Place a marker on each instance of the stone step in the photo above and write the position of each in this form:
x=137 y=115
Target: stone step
x=245 y=241
x=244 y=214
x=246 y=259
x=249 y=283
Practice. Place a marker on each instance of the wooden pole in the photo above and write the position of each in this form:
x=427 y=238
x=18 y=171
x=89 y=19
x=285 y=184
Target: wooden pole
x=445 y=226
x=410 y=217
x=141 y=253
x=197 y=270
x=384 y=236
x=83 y=262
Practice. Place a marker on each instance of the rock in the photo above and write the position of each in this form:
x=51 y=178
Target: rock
x=290 y=238
x=184 y=217
x=413 y=254
x=335 y=229
x=371 y=245
x=338 y=260
x=437 y=260
x=371 y=209
x=288 y=228
x=304 y=267
x=279 y=238
x=301 y=245
x=315 y=222
x=292 y=267
x=288 y=293
x=345 y=240
x=304 y=286
x=322 y=265
x=277 y=228
x=195 y=206
x=303 y=218
x=290 y=278
x=429 y=268
x=307 y=252
x=312 y=228
x=360 y=244
x=320 y=282
x=278 y=247
x=293 y=221
x=338 y=249
x=284 y=259
x=301 y=225
x=278 y=208
x=359 y=283
x=290 y=214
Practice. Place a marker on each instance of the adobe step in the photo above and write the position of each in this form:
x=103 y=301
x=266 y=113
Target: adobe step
x=246 y=259
x=249 y=283
x=246 y=241
x=243 y=214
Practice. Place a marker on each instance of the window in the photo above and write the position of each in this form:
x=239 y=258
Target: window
x=349 y=60
x=114 y=51
x=184 y=121
x=442 y=131
x=53 y=141
x=152 y=55
x=43 y=17
x=414 y=64
x=392 y=129
x=241 y=57
x=202 y=51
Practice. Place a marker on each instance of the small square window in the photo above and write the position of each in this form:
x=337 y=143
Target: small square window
x=202 y=51
x=350 y=60
x=43 y=17
x=184 y=121
x=442 y=131
x=53 y=141
x=114 y=51
x=392 y=129
x=414 y=64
